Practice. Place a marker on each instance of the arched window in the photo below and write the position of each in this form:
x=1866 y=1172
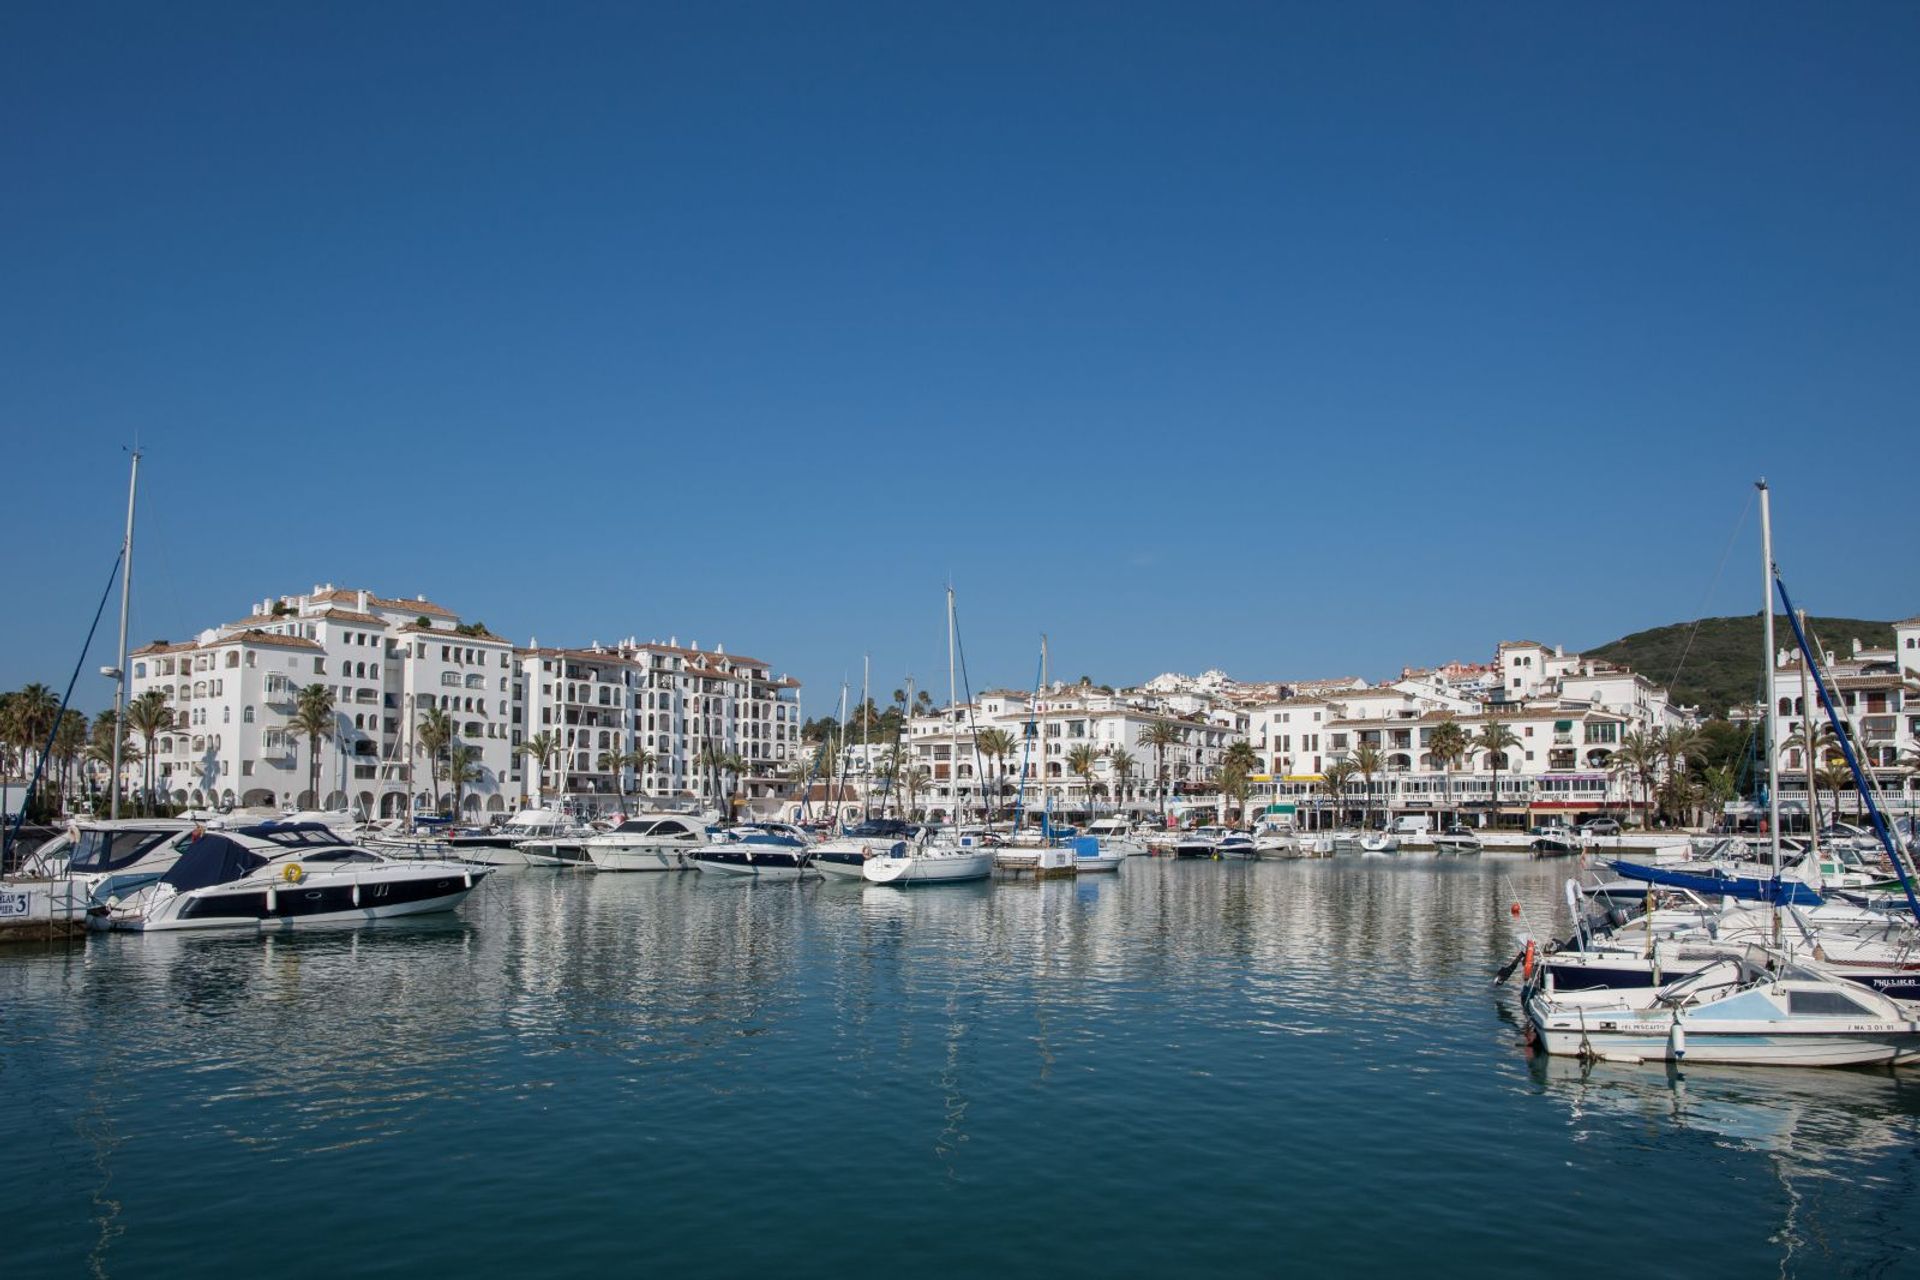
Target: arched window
x=1786 y=706
x=246 y=715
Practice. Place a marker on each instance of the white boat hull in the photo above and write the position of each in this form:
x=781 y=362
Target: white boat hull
x=930 y=868
x=637 y=858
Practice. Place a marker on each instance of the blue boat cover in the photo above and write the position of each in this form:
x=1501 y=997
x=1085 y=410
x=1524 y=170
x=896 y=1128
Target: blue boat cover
x=1785 y=893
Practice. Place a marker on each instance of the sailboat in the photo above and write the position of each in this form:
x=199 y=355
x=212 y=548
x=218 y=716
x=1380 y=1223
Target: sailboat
x=931 y=862
x=1748 y=1004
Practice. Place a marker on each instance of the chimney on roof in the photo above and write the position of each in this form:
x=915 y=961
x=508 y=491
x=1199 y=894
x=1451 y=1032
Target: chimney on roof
x=1559 y=651
x=720 y=648
x=363 y=602
x=1856 y=646
x=420 y=599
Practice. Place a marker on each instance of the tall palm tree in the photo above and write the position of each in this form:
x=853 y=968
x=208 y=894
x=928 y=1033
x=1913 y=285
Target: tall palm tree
x=542 y=748
x=915 y=783
x=1236 y=785
x=433 y=738
x=1333 y=781
x=1366 y=759
x=1120 y=764
x=463 y=767
x=1637 y=759
x=68 y=742
x=1083 y=760
x=1493 y=741
x=32 y=713
x=313 y=719
x=1160 y=735
x=99 y=752
x=1447 y=744
x=998 y=746
x=1835 y=777
x=149 y=716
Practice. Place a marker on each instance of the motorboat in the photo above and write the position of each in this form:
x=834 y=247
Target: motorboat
x=1379 y=843
x=1092 y=854
x=846 y=857
x=1750 y=1009
x=107 y=858
x=1198 y=843
x=279 y=875
x=1276 y=839
x=649 y=842
x=1347 y=840
x=756 y=850
x=1116 y=836
x=928 y=863
x=1457 y=840
x=500 y=846
x=1236 y=846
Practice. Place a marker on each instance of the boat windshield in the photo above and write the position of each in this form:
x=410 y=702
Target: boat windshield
x=113 y=850
x=880 y=829
x=636 y=826
x=304 y=835
x=210 y=860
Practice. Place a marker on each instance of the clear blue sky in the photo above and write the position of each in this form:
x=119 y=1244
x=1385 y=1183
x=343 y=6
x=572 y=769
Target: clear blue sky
x=1295 y=340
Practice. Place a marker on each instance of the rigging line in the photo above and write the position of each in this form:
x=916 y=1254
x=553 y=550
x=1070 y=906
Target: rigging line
x=1700 y=614
x=40 y=765
x=960 y=648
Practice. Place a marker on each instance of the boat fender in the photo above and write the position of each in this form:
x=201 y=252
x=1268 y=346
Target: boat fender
x=1514 y=911
x=466 y=878
x=273 y=900
x=292 y=873
x=1677 y=1040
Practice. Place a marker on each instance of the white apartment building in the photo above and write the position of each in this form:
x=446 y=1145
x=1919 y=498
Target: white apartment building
x=1568 y=714
x=234 y=688
x=1046 y=733
x=606 y=704
x=1877 y=694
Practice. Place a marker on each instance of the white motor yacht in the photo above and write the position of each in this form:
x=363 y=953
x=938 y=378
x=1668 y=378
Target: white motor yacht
x=279 y=875
x=845 y=857
x=758 y=850
x=649 y=842
x=1199 y=843
x=1378 y=843
x=104 y=858
x=502 y=846
x=1236 y=846
x=1116 y=836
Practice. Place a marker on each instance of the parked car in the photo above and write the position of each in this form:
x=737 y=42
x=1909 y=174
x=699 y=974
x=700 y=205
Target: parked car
x=1600 y=827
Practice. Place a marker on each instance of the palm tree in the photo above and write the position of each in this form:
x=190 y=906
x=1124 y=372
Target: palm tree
x=31 y=715
x=1447 y=744
x=1083 y=760
x=463 y=767
x=998 y=746
x=1160 y=735
x=433 y=738
x=1493 y=741
x=1835 y=777
x=1120 y=764
x=1235 y=784
x=541 y=748
x=1366 y=760
x=99 y=752
x=149 y=716
x=915 y=782
x=68 y=741
x=1638 y=760
x=1333 y=781
x=313 y=719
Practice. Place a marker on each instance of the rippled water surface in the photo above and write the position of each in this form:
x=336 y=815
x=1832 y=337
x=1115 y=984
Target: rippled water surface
x=1192 y=1068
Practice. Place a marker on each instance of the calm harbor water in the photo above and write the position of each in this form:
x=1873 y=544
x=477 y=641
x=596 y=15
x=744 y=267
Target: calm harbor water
x=1202 y=1068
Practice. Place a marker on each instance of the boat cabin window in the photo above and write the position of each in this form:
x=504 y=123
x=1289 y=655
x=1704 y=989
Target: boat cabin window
x=343 y=854
x=1824 y=1004
x=637 y=827
x=112 y=850
x=211 y=860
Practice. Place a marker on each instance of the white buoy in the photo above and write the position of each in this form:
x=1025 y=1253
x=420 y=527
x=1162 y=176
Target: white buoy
x=1677 y=1040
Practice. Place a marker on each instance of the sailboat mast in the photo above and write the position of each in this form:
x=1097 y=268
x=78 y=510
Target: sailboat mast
x=120 y=671
x=1773 y=706
x=866 y=737
x=953 y=699
x=1807 y=705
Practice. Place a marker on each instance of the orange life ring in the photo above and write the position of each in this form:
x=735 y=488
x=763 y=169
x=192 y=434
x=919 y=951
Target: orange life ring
x=1526 y=964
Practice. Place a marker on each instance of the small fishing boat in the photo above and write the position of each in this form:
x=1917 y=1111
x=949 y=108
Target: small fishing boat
x=1457 y=840
x=1752 y=1009
x=280 y=875
x=1116 y=836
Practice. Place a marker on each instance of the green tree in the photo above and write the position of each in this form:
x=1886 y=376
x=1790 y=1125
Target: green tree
x=433 y=738
x=149 y=716
x=1494 y=741
x=542 y=748
x=1366 y=759
x=1083 y=760
x=1235 y=785
x=998 y=746
x=463 y=770
x=1160 y=736
x=1120 y=764
x=915 y=783
x=1333 y=781
x=313 y=719
x=1637 y=759
x=1448 y=744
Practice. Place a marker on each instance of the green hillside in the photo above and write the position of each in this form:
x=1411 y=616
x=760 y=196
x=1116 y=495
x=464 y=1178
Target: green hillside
x=1722 y=663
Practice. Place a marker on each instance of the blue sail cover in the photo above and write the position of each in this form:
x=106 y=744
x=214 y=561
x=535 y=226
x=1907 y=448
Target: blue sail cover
x=1785 y=893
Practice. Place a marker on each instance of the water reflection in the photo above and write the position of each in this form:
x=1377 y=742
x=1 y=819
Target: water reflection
x=1226 y=1034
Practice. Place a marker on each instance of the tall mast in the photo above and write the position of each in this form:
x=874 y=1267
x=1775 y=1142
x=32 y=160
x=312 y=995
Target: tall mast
x=120 y=672
x=953 y=714
x=1773 y=705
x=1807 y=704
x=866 y=737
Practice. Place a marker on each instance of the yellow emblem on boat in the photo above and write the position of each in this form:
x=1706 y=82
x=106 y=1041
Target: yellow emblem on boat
x=293 y=874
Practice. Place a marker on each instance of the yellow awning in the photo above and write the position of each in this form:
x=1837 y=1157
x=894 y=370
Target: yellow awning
x=1303 y=777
